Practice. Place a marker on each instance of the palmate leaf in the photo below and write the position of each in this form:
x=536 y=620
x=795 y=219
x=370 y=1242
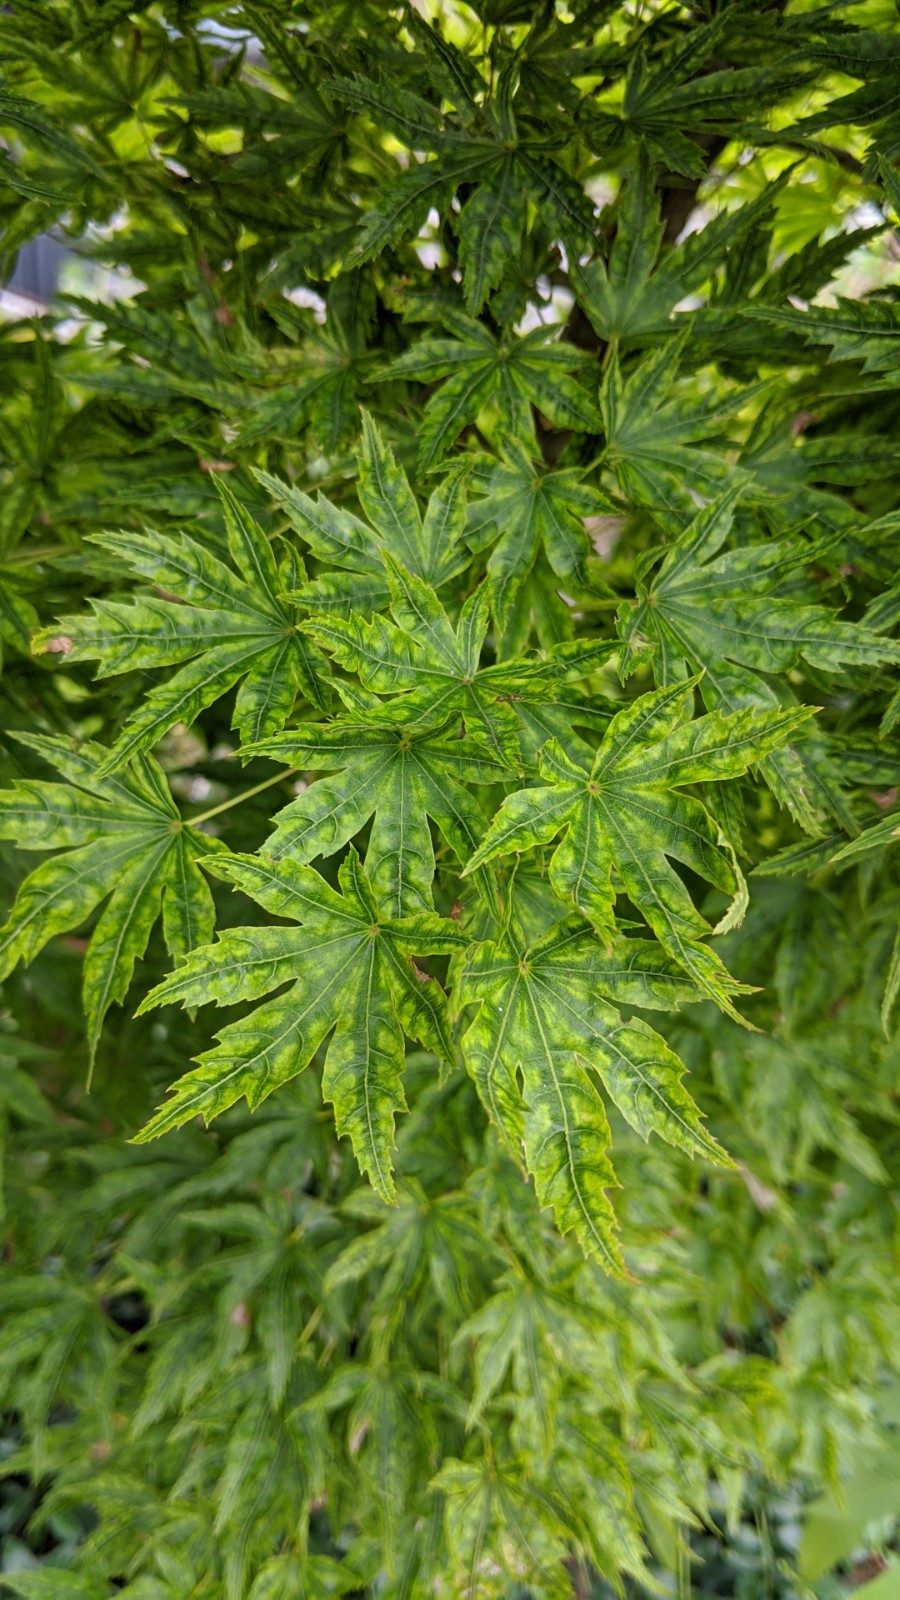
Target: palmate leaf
x=177 y=360
x=318 y=384
x=317 y=379
x=388 y=1415
x=539 y=1330
x=229 y=628
x=125 y=843
x=482 y=369
x=622 y=813
x=653 y=434
x=490 y=227
x=524 y=509
x=433 y=671
x=493 y=216
x=666 y=99
x=351 y=975
x=452 y=73
x=280 y=134
x=422 y=1237
x=499 y=1519
x=504 y=166
x=428 y=546
x=725 y=618
x=542 y=1019
x=632 y=294
x=61 y=162
x=399 y=779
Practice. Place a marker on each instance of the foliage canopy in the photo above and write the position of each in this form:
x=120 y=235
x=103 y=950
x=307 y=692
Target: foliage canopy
x=449 y=585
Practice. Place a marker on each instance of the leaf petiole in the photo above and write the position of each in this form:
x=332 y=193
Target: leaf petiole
x=238 y=799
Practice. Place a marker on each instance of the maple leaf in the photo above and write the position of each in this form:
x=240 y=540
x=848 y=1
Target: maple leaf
x=387 y=1415
x=541 y=1017
x=506 y=164
x=430 y=547
x=282 y=134
x=350 y=975
x=653 y=434
x=664 y=97
x=124 y=843
x=434 y=671
x=723 y=615
x=229 y=627
x=871 y=57
x=396 y=777
x=540 y=1331
x=319 y=380
x=443 y=1394
x=482 y=369
x=622 y=812
x=58 y=159
x=500 y=1519
x=523 y=510
x=33 y=430
x=175 y=361
x=423 y=1237
x=450 y=70
x=632 y=294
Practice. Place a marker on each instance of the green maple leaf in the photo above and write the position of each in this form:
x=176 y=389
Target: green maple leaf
x=653 y=433
x=722 y=615
x=33 y=429
x=428 y=546
x=667 y=95
x=230 y=626
x=398 y=779
x=55 y=163
x=178 y=361
x=542 y=1020
x=632 y=294
x=436 y=1238
x=503 y=371
x=871 y=57
x=350 y=973
x=280 y=134
x=452 y=73
x=498 y=1518
x=503 y=164
x=124 y=843
x=389 y=1416
x=541 y=1333
x=526 y=509
x=621 y=812
x=433 y=669
x=317 y=383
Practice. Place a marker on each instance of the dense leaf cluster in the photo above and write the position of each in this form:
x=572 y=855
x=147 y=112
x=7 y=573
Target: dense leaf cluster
x=485 y=413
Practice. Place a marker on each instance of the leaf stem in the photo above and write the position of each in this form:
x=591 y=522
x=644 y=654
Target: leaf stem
x=238 y=799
